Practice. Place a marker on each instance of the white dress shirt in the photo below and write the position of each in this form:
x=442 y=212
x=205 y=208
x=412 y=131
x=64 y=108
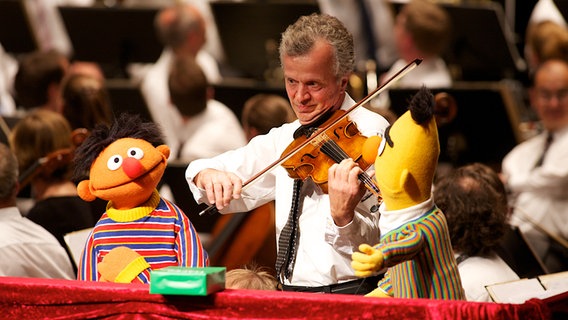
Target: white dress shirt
x=324 y=251
x=156 y=93
x=539 y=194
x=214 y=131
x=432 y=73
x=478 y=272
x=28 y=250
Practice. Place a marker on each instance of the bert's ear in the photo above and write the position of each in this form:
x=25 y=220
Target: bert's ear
x=165 y=150
x=84 y=192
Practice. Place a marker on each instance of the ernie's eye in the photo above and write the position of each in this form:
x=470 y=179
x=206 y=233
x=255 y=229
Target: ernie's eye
x=135 y=153
x=114 y=162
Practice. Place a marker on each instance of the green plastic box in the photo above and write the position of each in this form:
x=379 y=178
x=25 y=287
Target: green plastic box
x=187 y=281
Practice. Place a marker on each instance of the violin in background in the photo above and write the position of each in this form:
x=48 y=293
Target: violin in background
x=54 y=160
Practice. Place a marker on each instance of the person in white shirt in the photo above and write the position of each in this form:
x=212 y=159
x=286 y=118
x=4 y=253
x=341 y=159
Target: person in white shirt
x=317 y=58
x=181 y=29
x=205 y=127
x=474 y=201
x=26 y=249
x=374 y=41
x=422 y=30
x=536 y=173
x=8 y=69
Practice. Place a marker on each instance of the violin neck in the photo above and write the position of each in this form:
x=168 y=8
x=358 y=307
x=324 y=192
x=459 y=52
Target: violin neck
x=331 y=149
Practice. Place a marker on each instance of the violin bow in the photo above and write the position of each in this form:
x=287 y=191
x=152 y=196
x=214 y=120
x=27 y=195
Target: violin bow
x=212 y=209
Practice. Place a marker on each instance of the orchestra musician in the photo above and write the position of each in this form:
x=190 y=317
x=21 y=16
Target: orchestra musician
x=317 y=58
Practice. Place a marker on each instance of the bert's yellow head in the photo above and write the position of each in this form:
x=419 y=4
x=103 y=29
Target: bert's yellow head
x=406 y=158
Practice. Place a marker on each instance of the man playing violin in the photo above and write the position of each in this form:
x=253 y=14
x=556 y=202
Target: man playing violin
x=317 y=58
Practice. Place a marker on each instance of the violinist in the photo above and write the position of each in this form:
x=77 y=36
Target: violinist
x=317 y=58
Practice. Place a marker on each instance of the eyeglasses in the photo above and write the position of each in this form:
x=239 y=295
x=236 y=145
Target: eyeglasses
x=561 y=95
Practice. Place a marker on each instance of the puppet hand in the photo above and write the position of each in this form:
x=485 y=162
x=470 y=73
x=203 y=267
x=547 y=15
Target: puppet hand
x=366 y=262
x=121 y=265
x=377 y=293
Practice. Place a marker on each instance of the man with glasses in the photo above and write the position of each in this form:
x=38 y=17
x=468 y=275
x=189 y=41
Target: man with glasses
x=536 y=171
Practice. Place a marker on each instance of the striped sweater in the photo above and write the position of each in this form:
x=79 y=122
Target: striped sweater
x=159 y=231
x=420 y=260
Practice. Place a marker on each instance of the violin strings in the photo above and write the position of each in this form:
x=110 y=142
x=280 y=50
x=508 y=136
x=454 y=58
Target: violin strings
x=334 y=151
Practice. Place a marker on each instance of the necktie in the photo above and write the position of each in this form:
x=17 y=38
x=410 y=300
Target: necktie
x=547 y=144
x=288 y=240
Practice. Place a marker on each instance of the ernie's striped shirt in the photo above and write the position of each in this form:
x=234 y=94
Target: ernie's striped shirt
x=163 y=235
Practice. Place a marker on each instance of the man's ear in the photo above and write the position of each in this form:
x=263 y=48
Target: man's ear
x=84 y=192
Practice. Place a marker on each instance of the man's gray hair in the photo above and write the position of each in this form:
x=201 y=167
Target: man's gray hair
x=300 y=37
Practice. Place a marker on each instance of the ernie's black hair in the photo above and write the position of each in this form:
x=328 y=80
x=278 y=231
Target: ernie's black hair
x=126 y=126
x=422 y=106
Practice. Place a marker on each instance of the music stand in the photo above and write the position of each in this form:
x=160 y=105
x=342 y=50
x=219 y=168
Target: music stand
x=482 y=46
x=247 y=28
x=126 y=97
x=113 y=37
x=485 y=128
x=16 y=35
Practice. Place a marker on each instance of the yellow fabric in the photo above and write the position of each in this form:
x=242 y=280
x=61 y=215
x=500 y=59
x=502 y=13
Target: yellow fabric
x=114 y=262
x=366 y=262
x=405 y=171
x=132 y=270
x=127 y=215
x=378 y=293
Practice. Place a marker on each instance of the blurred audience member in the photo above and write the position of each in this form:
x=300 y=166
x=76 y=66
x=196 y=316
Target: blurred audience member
x=477 y=215
x=47 y=25
x=38 y=80
x=422 y=30
x=263 y=112
x=251 y=278
x=371 y=22
x=181 y=29
x=545 y=40
x=536 y=173
x=89 y=68
x=8 y=69
x=86 y=101
x=27 y=249
x=42 y=143
x=205 y=127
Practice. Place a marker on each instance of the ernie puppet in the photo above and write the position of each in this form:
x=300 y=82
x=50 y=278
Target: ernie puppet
x=139 y=231
x=415 y=244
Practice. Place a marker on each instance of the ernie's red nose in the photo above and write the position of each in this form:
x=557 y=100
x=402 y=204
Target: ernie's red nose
x=132 y=167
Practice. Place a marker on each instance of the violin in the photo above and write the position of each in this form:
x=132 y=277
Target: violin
x=318 y=136
x=53 y=160
x=340 y=140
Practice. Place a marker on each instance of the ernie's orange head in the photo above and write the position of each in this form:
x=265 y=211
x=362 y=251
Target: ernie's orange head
x=124 y=162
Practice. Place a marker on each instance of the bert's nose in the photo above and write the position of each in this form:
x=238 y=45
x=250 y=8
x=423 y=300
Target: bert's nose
x=132 y=167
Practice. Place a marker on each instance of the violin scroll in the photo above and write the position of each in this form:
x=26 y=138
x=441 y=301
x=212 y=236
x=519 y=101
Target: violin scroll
x=54 y=160
x=445 y=108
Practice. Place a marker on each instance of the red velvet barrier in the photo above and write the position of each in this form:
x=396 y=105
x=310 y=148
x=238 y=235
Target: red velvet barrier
x=26 y=298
